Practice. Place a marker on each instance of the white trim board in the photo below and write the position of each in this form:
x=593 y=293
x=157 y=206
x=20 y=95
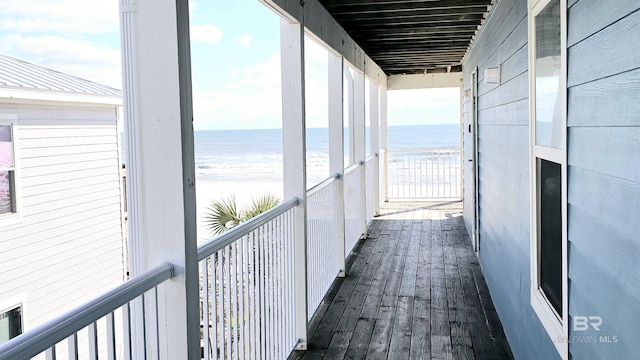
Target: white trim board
x=557 y=327
x=424 y=81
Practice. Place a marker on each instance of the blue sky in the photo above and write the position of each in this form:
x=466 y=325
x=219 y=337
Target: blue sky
x=235 y=60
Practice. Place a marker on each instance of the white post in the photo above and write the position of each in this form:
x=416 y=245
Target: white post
x=384 y=141
x=293 y=132
x=160 y=166
x=359 y=143
x=336 y=147
x=350 y=114
x=374 y=142
x=461 y=178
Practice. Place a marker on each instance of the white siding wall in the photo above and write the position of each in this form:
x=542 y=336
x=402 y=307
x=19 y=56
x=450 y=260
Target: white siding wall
x=69 y=246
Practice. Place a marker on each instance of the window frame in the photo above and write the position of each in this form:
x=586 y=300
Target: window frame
x=556 y=327
x=16 y=302
x=14 y=217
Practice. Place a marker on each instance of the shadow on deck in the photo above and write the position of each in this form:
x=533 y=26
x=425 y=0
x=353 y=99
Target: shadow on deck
x=413 y=290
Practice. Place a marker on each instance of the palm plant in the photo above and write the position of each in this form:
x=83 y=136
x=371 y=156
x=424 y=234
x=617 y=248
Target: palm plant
x=224 y=214
x=259 y=205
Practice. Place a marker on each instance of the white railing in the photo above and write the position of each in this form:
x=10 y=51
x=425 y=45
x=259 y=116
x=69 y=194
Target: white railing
x=247 y=286
x=352 y=207
x=424 y=173
x=247 y=289
x=322 y=241
x=371 y=168
x=100 y=328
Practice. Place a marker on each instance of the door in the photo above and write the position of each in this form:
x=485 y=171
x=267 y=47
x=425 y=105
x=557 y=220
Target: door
x=474 y=160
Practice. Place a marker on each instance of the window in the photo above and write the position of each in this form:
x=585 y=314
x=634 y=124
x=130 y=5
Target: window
x=11 y=324
x=8 y=176
x=547 y=81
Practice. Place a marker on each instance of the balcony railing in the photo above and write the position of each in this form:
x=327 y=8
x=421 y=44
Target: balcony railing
x=353 y=211
x=247 y=284
x=322 y=240
x=103 y=326
x=424 y=173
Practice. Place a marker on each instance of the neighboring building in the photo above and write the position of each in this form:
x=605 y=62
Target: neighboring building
x=61 y=223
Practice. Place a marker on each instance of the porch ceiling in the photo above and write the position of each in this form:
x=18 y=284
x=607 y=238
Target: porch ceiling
x=411 y=36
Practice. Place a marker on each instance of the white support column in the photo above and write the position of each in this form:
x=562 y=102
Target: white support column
x=384 y=142
x=359 y=142
x=336 y=147
x=461 y=179
x=293 y=132
x=160 y=166
x=374 y=142
x=350 y=114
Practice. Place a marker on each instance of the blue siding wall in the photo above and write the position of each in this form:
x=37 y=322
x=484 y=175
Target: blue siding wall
x=503 y=147
x=604 y=174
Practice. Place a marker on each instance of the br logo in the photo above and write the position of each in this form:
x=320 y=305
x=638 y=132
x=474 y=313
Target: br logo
x=583 y=323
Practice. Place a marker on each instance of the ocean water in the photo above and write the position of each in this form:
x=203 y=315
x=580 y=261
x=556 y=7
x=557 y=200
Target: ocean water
x=255 y=156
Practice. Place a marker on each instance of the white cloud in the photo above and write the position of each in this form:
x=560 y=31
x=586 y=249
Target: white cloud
x=245 y=40
x=78 y=37
x=253 y=101
x=206 y=33
x=82 y=58
x=60 y=16
x=424 y=106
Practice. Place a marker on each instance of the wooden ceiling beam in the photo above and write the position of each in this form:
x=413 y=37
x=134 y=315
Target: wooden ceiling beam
x=409 y=14
x=336 y=5
x=410 y=24
x=466 y=19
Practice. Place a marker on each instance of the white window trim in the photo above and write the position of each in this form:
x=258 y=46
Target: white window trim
x=557 y=328
x=14 y=302
x=13 y=218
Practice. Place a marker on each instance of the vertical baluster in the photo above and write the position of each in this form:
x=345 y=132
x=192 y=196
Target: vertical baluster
x=263 y=313
x=253 y=303
x=222 y=339
x=233 y=288
x=267 y=292
x=291 y=274
x=216 y=292
x=72 y=343
x=269 y=277
x=50 y=353
x=213 y=340
x=143 y=316
x=111 y=336
x=450 y=184
x=206 y=329
x=279 y=256
x=228 y=295
x=156 y=321
x=93 y=340
x=275 y=285
x=126 y=333
x=244 y=309
x=151 y=326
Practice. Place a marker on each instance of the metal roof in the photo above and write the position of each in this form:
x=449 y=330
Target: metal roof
x=411 y=36
x=21 y=75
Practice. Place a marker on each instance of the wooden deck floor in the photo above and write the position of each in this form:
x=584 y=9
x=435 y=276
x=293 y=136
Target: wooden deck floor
x=413 y=290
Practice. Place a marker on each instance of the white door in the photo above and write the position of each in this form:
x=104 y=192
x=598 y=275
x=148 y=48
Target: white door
x=474 y=160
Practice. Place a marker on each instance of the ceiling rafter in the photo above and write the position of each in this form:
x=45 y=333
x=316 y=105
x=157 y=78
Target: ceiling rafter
x=411 y=36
